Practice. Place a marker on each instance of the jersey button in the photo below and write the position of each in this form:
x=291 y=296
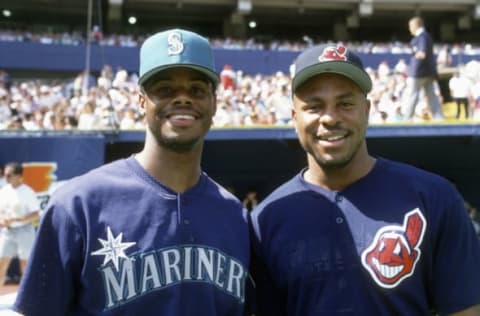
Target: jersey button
x=338 y=198
x=339 y=220
x=186 y=221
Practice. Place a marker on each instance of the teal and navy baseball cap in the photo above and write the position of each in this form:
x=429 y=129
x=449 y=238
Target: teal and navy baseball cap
x=330 y=58
x=176 y=48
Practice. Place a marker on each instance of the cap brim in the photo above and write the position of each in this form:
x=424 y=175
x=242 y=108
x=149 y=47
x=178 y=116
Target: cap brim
x=207 y=72
x=360 y=77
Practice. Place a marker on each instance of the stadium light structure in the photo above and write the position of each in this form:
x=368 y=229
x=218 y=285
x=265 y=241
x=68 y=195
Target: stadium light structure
x=352 y=20
x=464 y=22
x=132 y=20
x=476 y=12
x=365 y=8
x=244 y=6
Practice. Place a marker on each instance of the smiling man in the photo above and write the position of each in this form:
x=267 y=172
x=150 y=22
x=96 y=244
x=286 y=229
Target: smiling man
x=151 y=234
x=353 y=234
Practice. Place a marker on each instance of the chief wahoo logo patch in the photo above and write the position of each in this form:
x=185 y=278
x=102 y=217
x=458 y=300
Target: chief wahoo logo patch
x=395 y=250
x=334 y=53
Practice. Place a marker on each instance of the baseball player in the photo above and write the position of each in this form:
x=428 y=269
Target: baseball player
x=151 y=234
x=19 y=209
x=353 y=234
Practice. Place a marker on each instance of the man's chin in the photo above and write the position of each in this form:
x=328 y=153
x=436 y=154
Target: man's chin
x=178 y=145
x=334 y=163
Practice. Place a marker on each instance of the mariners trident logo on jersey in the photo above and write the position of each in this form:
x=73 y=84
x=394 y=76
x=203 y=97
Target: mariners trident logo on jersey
x=394 y=252
x=128 y=277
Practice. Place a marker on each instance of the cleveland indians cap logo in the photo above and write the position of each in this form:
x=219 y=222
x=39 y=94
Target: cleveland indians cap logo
x=175 y=43
x=332 y=53
x=394 y=252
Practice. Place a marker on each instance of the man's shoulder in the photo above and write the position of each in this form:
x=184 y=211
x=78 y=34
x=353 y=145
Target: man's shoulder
x=283 y=194
x=220 y=192
x=95 y=180
x=415 y=177
x=26 y=188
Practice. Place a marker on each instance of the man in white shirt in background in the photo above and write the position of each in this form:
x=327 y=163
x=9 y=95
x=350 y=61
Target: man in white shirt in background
x=19 y=209
x=460 y=87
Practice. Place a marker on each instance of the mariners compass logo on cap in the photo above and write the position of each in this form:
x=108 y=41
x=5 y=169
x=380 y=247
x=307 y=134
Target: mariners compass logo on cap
x=330 y=59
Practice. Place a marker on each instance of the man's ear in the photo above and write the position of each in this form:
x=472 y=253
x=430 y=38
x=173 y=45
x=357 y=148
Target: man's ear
x=293 y=113
x=141 y=102
x=214 y=104
x=367 y=106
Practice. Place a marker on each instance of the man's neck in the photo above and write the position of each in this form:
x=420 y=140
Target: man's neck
x=338 y=179
x=177 y=171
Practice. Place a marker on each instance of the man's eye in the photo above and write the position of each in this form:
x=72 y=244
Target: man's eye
x=199 y=91
x=311 y=108
x=162 y=90
x=345 y=104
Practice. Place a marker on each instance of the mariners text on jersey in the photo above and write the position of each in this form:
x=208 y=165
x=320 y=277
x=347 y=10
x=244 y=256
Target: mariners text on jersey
x=143 y=273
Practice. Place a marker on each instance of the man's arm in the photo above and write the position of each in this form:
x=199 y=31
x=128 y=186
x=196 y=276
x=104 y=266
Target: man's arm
x=420 y=55
x=29 y=218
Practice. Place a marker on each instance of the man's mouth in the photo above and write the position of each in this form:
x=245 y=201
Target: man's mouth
x=181 y=117
x=332 y=137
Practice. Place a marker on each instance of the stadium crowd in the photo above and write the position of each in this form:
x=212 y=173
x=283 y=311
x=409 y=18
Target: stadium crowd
x=109 y=101
x=129 y=40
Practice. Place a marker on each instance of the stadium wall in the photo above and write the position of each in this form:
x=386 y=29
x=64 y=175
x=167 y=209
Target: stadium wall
x=250 y=158
x=70 y=58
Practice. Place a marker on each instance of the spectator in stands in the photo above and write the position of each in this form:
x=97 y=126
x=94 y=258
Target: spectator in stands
x=280 y=102
x=422 y=71
x=444 y=57
x=5 y=112
x=476 y=99
x=472 y=212
x=5 y=80
x=228 y=78
x=3 y=181
x=88 y=119
x=460 y=91
x=19 y=209
x=128 y=120
x=16 y=123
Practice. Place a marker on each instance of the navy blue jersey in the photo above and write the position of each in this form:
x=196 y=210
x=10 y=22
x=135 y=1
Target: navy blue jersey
x=396 y=242
x=426 y=67
x=117 y=242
